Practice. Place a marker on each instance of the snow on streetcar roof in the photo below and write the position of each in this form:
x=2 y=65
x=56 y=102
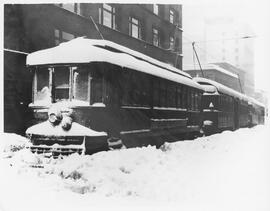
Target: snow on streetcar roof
x=210 y=89
x=82 y=50
x=226 y=90
x=138 y=55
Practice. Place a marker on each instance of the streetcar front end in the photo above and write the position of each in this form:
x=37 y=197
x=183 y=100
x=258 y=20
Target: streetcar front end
x=61 y=102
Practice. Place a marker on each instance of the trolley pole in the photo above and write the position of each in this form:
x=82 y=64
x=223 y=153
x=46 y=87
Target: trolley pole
x=193 y=46
x=240 y=85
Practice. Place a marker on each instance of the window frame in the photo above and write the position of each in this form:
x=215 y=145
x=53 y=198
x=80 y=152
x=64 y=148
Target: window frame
x=35 y=84
x=76 y=7
x=111 y=12
x=138 y=25
x=172 y=42
x=74 y=83
x=171 y=16
x=69 y=84
x=156 y=9
x=155 y=34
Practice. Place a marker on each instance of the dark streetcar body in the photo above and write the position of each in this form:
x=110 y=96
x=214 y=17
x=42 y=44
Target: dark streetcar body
x=93 y=95
x=226 y=109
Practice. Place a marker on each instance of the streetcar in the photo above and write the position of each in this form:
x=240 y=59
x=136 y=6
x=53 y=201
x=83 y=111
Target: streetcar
x=226 y=109
x=91 y=95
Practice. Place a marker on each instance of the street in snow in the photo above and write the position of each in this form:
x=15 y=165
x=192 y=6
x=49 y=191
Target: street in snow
x=227 y=171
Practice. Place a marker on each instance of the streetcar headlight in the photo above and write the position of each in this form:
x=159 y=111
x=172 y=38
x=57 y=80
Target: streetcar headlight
x=52 y=118
x=55 y=115
x=66 y=123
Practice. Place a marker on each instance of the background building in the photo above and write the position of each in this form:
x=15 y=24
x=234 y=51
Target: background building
x=155 y=30
x=220 y=38
x=223 y=73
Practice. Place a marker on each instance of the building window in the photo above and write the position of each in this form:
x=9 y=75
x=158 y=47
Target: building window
x=155 y=9
x=172 y=16
x=72 y=7
x=172 y=43
x=107 y=16
x=61 y=36
x=135 y=28
x=156 y=35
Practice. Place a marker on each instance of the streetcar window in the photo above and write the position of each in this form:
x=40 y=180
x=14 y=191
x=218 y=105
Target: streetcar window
x=61 y=79
x=196 y=101
x=199 y=101
x=127 y=89
x=188 y=99
x=156 y=92
x=171 y=95
x=139 y=89
x=135 y=90
x=42 y=92
x=145 y=90
x=184 y=97
x=179 y=97
x=81 y=87
x=97 y=86
x=163 y=94
x=97 y=90
x=191 y=100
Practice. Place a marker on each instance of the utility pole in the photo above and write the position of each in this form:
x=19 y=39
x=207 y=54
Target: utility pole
x=193 y=46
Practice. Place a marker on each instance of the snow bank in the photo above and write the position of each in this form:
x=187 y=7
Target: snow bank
x=11 y=142
x=227 y=171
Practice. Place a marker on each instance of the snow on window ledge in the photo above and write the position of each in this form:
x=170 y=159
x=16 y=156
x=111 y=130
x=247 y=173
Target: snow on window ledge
x=64 y=103
x=98 y=105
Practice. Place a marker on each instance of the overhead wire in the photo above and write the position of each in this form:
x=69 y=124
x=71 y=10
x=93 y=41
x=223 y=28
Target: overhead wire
x=213 y=57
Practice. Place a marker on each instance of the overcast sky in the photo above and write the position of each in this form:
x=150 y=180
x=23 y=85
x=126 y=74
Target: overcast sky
x=255 y=13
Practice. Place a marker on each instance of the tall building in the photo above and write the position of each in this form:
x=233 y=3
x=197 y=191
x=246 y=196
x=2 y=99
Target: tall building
x=219 y=38
x=152 y=29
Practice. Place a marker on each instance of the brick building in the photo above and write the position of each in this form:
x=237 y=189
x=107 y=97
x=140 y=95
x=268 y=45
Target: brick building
x=155 y=30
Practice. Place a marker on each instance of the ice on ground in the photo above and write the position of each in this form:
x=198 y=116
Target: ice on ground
x=227 y=171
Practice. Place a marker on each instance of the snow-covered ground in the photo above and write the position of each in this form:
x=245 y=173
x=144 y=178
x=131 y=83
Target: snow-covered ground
x=227 y=171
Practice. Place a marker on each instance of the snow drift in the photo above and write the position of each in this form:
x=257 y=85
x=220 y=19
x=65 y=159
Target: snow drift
x=227 y=171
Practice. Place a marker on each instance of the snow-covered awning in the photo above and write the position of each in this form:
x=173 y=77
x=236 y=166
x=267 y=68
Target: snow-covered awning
x=82 y=50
